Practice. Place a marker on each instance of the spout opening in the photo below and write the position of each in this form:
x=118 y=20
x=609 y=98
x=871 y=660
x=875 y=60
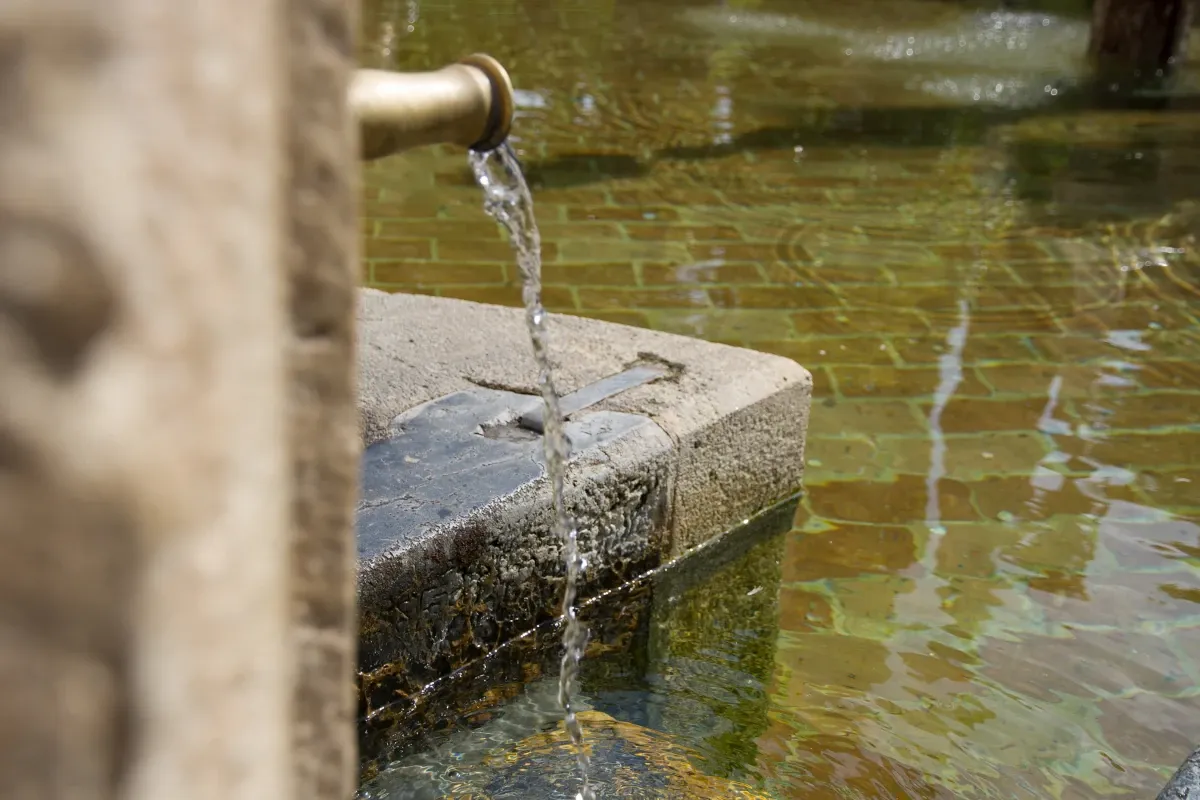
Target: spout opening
x=502 y=105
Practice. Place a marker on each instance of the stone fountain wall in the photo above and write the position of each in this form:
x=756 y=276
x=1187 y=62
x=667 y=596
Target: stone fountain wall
x=322 y=260
x=177 y=425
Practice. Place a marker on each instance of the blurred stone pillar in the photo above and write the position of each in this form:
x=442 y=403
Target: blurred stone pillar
x=323 y=264
x=144 y=468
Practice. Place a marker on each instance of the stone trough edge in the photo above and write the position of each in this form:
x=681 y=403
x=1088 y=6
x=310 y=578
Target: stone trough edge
x=727 y=442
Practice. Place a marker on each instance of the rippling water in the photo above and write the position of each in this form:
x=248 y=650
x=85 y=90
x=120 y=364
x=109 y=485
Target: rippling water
x=991 y=589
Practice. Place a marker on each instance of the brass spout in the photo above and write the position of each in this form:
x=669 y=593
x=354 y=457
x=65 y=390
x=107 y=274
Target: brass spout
x=469 y=104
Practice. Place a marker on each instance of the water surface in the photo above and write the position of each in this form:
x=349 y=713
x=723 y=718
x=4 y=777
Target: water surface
x=991 y=589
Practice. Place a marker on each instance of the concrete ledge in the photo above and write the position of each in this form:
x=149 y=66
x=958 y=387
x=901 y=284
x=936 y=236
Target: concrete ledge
x=686 y=457
x=1185 y=783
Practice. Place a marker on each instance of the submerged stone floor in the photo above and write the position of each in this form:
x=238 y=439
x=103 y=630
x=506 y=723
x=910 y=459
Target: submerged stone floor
x=993 y=578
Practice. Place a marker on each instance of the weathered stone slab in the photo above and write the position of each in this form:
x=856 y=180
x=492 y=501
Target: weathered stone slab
x=436 y=596
x=736 y=417
x=457 y=556
x=1185 y=783
x=451 y=457
x=456 y=548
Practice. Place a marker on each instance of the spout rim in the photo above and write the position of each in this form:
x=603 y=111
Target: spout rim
x=502 y=106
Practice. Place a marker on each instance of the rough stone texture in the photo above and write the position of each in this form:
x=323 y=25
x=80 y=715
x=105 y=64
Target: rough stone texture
x=322 y=259
x=143 y=473
x=1185 y=784
x=737 y=417
x=465 y=588
x=725 y=440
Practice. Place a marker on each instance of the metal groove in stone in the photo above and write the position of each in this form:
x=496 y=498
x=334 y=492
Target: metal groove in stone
x=594 y=393
x=455 y=455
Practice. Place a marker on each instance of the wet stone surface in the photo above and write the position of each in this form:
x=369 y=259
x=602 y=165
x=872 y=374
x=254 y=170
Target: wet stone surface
x=456 y=553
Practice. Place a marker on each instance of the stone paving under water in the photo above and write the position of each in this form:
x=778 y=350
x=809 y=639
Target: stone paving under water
x=993 y=580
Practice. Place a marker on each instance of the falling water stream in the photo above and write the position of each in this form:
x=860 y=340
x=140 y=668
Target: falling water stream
x=507 y=200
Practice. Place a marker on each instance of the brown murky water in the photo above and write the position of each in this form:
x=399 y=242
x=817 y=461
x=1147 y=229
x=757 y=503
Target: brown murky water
x=991 y=589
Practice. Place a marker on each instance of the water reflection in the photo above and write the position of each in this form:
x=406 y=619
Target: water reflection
x=951 y=375
x=989 y=636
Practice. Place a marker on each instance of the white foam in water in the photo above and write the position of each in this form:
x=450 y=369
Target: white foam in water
x=507 y=200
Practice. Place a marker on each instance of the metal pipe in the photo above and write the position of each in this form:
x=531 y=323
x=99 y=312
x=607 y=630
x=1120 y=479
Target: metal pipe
x=469 y=103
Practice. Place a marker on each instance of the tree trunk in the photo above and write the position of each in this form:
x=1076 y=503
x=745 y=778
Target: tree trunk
x=1138 y=40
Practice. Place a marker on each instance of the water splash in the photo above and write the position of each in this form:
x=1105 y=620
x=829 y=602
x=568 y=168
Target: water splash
x=508 y=201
